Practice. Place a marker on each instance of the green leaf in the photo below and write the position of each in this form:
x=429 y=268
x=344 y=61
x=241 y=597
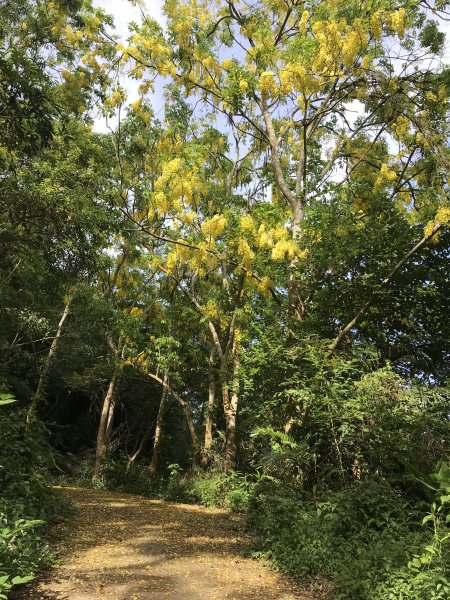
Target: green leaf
x=20 y=580
x=6 y=399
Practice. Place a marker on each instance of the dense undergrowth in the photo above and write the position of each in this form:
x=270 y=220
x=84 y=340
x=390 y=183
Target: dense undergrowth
x=27 y=505
x=368 y=538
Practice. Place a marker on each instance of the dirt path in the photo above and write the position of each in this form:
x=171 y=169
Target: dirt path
x=123 y=547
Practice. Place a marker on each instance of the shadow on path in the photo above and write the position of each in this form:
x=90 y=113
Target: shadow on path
x=124 y=547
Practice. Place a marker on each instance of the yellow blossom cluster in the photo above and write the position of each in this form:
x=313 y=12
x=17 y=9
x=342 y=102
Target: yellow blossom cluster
x=264 y=238
x=303 y=22
x=267 y=83
x=376 y=24
x=401 y=127
x=160 y=202
x=211 y=310
x=214 y=227
x=172 y=261
x=202 y=258
x=283 y=249
x=352 y=44
x=442 y=217
x=116 y=98
x=246 y=253
x=386 y=175
x=187 y=217
x=243 y=85
x=339 y=42
x=227 y=64
x=421 y=139
x=264 y=285
x=294 y=76
x=247 y=223
x=169 y=169
x=398 y=22
x=180 y=254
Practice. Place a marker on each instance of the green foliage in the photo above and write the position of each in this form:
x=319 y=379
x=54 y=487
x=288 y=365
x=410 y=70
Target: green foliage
x=366 y=538
x=223 y=490
x=134 y=478
x=6 y=399
x=25 y=500
x=346 y=419
x=22 y=548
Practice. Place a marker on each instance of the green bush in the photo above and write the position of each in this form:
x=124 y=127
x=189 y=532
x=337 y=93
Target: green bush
x=222 y=490
x=212 y=489
x=133 y=479
x=25 y=500
x=364 y=538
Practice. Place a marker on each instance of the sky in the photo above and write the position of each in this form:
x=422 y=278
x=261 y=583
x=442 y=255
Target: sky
x=124 y=13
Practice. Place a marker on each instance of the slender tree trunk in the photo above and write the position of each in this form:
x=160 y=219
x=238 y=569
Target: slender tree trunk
x=207 y=445
x=296 y=307
x=105 y=421
x=159 y=423
x=110 y=423
x=193 y=434
x=141 y=445
x=230 y=407
x=188 y=415
x=50 y=356
x=230 y=447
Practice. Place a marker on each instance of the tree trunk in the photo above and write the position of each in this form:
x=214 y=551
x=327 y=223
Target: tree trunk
x=45 y=371
x=230 y=446
x=207 y=445
x=110 y=423
x=159 y=423
x=141 y=445
x=193 y=434
x=296 y=307
x=230 y=407
x=187 y=413
x=105 y=421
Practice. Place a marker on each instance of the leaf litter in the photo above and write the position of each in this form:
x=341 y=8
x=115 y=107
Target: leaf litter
x=118 y=546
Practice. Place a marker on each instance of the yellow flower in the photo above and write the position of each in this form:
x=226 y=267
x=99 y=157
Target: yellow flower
x=246 y=252
x=214 y=226
x=398 y=22
x=284 y=248
x=161 y=202
x=243 y=85
x=303 y=22
x=172 y=261
x=247 y=223
x=376 y=22
x=286 y=81
x=267 y=83
x=385 y=175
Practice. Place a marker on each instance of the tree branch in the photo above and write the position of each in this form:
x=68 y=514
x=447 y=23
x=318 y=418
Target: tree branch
x=364 y=309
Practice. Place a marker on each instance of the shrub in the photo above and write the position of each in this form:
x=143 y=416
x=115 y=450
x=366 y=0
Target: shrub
x=25 y=499
x=222 y=490
x=363 y=537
